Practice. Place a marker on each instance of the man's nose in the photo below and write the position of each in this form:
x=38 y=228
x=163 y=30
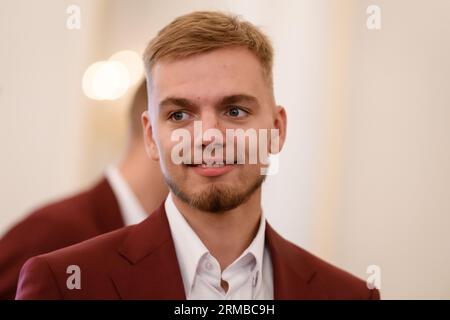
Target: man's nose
x=210 y=124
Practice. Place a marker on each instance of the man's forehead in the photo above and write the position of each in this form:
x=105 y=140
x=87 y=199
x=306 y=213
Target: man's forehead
x=223 y=57
x=208 y=76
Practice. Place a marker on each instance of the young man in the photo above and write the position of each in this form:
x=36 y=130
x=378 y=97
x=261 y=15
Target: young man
x=125 y=196
x=209 y=239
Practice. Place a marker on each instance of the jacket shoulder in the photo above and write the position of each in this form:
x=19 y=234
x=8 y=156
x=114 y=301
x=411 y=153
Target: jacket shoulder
x=333 y=281
x=53 y=226
x=46 y=276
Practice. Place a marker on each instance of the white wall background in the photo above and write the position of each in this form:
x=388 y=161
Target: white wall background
x=394 y=191
x=43 y=113
x=365 y=174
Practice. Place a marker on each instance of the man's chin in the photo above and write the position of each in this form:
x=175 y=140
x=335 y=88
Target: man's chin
x=216 y=200
x=214 y=196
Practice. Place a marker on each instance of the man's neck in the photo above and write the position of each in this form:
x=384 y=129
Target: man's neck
x=225 y=234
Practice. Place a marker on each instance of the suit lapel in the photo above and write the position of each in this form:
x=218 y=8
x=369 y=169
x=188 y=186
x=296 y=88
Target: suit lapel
x=292 y=275
x=150 y=269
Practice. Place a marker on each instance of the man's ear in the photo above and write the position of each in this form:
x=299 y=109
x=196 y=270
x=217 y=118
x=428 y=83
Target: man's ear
x=280 y=123
x=150 y=144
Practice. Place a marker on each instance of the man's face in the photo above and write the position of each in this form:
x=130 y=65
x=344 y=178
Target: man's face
x=224 y=89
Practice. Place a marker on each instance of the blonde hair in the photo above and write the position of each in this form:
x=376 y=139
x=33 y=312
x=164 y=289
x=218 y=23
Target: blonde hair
x=203 y=31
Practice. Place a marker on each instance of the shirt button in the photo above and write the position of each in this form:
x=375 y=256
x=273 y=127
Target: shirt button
x=209 y=266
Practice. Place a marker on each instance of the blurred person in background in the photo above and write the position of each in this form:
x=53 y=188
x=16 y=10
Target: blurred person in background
x=126 y=194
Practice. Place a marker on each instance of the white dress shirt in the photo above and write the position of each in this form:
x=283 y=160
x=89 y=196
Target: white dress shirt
x=130 y=207
x=249 y=277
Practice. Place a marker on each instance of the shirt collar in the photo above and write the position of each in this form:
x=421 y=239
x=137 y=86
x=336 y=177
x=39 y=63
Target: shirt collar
x=188 y=246
x=130 y=207
x=256 y=247
x=190 y=249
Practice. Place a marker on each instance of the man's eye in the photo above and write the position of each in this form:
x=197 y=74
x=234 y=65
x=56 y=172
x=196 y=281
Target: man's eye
x=179 y=116
x=236 y=112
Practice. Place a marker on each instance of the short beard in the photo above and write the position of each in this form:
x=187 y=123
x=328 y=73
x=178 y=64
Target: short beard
x=216 y=199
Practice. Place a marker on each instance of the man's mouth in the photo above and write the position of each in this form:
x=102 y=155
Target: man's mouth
x=212 y=169
x=208 y=165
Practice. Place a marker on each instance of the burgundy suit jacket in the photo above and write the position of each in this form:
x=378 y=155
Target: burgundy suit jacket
x=57 y=225
x=139 y=262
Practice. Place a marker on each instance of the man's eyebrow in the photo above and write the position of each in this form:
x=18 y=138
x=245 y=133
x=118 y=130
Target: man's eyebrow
x=186 y=103
x=236 y=98
x=176 y=101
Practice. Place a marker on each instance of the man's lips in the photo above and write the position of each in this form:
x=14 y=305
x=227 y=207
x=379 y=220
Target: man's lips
x=212 y=170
